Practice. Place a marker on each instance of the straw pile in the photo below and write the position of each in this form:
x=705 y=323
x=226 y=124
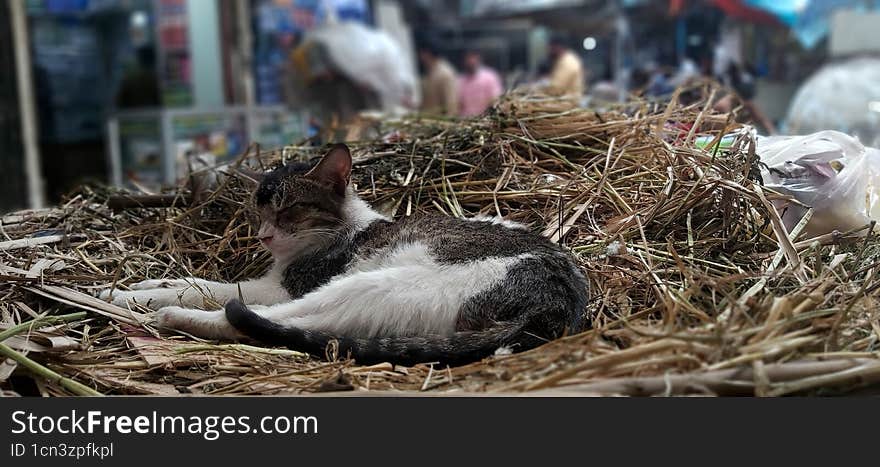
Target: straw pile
x=696 y=286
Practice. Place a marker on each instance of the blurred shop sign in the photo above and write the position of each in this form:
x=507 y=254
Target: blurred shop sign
x=73 y=6
x=854 y=32
x=486 y=7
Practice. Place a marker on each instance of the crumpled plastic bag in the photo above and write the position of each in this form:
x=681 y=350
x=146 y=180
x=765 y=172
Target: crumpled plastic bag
x=369 y=57
x=829 y=171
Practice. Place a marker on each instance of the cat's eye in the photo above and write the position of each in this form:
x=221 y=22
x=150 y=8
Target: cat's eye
x=302 y=205
x=297 y=208
x=290 y=213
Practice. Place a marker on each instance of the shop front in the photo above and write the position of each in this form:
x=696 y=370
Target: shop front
x=128 y=91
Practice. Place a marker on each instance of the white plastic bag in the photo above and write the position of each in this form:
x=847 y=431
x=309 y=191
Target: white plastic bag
x=829 y=171
x=840 y=96
x=370 y=57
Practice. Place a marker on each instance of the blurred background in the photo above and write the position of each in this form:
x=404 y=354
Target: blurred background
x=135 y=92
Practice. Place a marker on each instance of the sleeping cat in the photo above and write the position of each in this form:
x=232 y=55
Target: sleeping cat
x=424 y=289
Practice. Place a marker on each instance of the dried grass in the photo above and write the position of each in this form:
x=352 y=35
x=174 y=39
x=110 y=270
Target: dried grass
x=696 y=287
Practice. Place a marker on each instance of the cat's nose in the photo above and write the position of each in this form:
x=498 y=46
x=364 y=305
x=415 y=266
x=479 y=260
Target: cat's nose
x=266 y=233
x=266 y=230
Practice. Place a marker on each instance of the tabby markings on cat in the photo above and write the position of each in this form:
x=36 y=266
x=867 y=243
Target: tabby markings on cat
x=419 y=289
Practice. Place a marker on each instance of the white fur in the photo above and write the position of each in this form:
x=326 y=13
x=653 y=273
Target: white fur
x=497 y=220
x=404 y=293
x=200 y=323
x=358 y=213
x=191 y=292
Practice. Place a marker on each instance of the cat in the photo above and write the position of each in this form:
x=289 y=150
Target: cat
x=420 y=289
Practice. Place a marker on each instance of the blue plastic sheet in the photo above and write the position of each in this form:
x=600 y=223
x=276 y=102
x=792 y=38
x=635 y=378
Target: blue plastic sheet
x=809 y=19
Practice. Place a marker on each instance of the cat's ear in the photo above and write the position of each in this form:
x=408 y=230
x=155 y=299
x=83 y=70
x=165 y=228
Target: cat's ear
x=334 y=168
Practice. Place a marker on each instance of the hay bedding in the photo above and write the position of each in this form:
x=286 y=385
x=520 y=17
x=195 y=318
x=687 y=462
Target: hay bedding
x=696 y=286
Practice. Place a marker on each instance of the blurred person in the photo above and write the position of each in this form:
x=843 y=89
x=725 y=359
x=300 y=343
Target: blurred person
x=440 y=84
x=478 y=87
x=140 y=87
x=334 y=100
x=651 y=80
x=342 y=71
x=660 y=83
x=687 y=71
x=567 y=73
x=741 y=79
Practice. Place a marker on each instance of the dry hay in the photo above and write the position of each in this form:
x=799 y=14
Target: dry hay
x=696 y=287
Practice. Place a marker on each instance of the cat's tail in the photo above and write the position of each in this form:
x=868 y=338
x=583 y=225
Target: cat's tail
x=456 y=349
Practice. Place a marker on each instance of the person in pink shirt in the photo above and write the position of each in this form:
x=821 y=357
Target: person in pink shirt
x=478 y=87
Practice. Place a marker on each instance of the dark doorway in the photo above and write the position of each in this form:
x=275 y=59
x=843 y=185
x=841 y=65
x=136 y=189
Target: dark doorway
x=13 y=189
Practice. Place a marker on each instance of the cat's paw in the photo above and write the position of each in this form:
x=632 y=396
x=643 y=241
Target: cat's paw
x=104 y=295
x=199 y=323
x=159 y=284
x=114 y=296
x=151 y=298
x=168 y=317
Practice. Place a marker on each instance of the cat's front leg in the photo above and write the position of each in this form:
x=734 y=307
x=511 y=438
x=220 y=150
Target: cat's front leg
x=192 y=292
x=155 y=293
x=162 y=284
x=150 y=298
x=199 y=323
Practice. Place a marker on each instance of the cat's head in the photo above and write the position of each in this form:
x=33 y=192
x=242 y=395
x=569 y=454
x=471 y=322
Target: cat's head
x=300 y=206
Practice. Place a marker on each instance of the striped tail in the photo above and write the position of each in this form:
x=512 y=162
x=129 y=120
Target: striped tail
x=456 y=349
